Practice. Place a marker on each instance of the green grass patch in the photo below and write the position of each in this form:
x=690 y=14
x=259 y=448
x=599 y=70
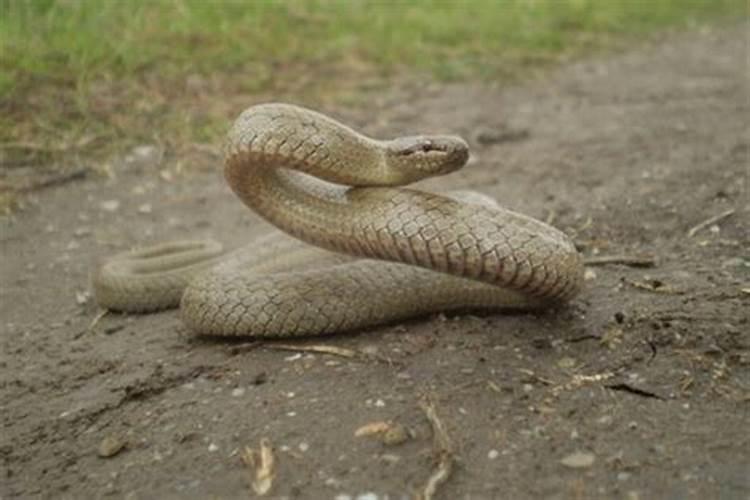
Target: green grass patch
x=92 y=75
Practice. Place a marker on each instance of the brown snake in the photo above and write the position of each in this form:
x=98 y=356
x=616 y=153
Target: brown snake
x=325 y=184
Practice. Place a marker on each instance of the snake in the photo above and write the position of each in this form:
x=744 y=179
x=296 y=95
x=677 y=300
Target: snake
x=356 y=248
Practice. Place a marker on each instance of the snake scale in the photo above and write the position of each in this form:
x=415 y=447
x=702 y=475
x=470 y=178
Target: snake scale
x=381 y=252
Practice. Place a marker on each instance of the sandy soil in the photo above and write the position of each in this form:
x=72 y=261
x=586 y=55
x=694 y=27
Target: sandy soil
x=639 y=389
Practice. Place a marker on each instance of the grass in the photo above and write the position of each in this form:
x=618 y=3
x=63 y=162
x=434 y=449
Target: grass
x=91 y=77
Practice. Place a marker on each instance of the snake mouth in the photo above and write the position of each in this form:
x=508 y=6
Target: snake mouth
x=424 y=147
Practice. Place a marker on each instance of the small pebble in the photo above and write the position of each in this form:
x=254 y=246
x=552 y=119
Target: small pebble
x=110 y=205
x=239 y=391
x=110 y=446
x=213 y=447
x=578 y=460
x=493 y=454
x=82 y=297
x=604 y=420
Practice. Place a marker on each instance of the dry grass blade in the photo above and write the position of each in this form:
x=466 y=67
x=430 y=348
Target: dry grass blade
x=93 y=323
x=317 y=348
x=260 y=465
x=54 y=179
x=329 y=349
x=442 y=448
x=709 y=221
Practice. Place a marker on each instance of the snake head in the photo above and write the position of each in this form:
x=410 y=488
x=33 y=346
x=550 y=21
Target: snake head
x=417 y=157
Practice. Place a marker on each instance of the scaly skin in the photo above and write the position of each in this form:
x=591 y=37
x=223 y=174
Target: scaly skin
x=442 y=252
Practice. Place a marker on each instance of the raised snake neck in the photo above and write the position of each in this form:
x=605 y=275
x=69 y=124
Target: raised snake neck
x=443 y=252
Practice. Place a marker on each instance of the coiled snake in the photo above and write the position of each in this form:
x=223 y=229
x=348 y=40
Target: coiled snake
x=327 y=185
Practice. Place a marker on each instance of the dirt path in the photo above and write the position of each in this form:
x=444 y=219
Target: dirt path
x=639 y=389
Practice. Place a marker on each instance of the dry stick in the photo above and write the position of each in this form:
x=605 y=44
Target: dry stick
x=50 y=180
x=261 y=466
x=709 y=221
x=320 y=349
x=442 y=448
x=96 y=320
x=56 y=179
x=626 y=260
x=329 y=349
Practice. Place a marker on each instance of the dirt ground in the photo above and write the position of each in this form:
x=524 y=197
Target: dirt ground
x=639 y=389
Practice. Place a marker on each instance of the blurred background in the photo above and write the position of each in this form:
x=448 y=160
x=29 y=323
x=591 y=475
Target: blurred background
x=94 y=77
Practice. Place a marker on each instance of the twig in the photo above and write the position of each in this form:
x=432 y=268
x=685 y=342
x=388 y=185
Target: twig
x=327 y=349
x=578 y=380
x=93 y=323
x=46 y=181
x=709 y=221
x=320 y=349
x=536 y=378
x=55 y=180
x=627 y=260
x=442 y=448
x=260 y=464
x=633 y=390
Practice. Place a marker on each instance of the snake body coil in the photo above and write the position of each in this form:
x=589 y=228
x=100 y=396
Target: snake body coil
x=325 y=184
